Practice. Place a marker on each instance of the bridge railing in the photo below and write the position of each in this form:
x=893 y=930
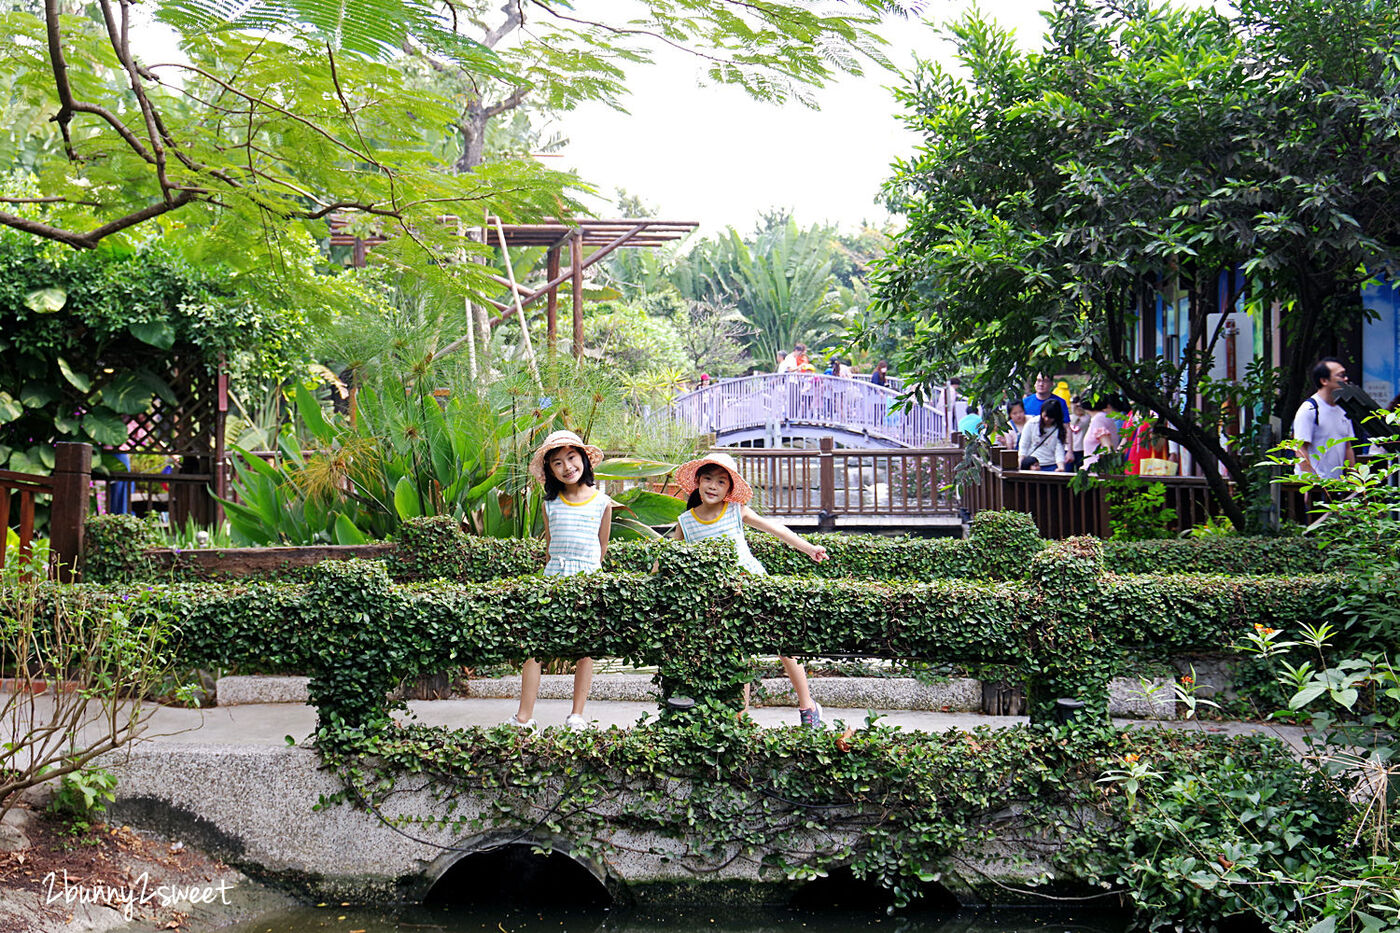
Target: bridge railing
x=68 y=487
x=804 y=398
x=908 y=482
x=1060 y=511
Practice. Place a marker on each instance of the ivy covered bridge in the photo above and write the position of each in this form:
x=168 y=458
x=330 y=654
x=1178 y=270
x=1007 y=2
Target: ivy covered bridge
x=698 y=800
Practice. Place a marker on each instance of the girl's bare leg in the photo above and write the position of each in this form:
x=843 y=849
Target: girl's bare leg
x=529 y=690
x=583 y=679
x=798 y=675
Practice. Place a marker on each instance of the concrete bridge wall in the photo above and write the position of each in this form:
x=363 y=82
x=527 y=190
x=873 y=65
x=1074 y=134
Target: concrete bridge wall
x=253 y=807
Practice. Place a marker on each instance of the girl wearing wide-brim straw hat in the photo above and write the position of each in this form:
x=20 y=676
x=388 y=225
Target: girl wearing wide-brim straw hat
x=718 y=506
x=577 y=522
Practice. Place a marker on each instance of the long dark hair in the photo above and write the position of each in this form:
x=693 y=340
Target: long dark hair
x=706 y=470
x=552 y=486
x=1057 y=415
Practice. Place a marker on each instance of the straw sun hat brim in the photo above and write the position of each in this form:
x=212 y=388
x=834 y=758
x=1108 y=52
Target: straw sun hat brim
x=740 y=492
x=554 y=442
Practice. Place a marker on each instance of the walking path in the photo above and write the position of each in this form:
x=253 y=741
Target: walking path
x=270 y=723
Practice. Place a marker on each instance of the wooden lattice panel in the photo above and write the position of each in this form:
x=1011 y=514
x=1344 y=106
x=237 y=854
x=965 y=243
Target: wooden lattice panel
x=189 y=426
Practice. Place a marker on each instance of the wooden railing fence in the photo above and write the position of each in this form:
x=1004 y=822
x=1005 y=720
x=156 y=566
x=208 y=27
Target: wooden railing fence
x=68 y=487
x=830 y=482
x=1061 y=511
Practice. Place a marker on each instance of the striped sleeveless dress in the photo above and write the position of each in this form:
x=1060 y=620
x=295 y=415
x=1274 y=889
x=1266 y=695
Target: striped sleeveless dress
x=729 y=523
x=573 y=534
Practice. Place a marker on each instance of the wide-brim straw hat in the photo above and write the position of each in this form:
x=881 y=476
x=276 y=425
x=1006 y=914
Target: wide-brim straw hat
x=561 y=439
x=740 y=492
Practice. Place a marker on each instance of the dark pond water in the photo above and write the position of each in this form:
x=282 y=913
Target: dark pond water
x=416 y=919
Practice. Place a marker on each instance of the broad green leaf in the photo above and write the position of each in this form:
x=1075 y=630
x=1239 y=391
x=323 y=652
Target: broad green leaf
x=310 y=411
x=46 y=300
x=105 y=428
x=650 y=508
x=246 y=524
x=1346 y=698
x=259 y=465
x=79 y=381
x=159 y=334
x=21 y=462
x=406 y=501
x=38 y=394
x=127 y=394
x=346 y=532
x=627 y=529
x=1307 y=695
x=480 y=489
x=10 y=409
x=157 y=386
x=631 y=468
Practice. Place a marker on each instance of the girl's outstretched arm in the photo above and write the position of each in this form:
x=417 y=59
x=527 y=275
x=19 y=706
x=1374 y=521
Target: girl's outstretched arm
x=784 y=534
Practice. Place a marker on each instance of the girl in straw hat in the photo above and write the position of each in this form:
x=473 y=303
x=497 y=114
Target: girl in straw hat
x=718 y=505
x=577 y=520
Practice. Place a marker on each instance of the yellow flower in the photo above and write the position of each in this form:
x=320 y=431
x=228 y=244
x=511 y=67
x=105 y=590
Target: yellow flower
x=1130 y=758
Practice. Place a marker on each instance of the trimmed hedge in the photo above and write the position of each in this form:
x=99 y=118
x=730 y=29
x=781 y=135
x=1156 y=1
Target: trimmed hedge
x=114 y=548
x=1001 y=547
x=357 y=633
x=1232 y=555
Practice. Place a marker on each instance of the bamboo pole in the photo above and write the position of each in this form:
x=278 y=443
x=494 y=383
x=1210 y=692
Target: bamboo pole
x=519 y=309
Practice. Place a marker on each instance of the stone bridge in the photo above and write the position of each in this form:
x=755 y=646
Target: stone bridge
x=254 y=807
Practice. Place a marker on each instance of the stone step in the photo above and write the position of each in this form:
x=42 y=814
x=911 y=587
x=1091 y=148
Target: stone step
x=956 y=695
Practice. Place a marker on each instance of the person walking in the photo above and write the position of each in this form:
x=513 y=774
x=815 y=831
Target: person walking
x=1322 y=425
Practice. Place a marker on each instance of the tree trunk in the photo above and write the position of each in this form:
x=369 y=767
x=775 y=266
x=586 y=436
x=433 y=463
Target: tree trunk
x=472 y=128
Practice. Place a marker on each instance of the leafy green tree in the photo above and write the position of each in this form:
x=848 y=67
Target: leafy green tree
x=781 y=285
x=1147 y=149
x=284 y=114
x=87 y=337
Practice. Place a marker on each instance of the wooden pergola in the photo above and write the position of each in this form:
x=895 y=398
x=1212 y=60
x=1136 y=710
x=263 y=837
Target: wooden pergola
x=578 y=237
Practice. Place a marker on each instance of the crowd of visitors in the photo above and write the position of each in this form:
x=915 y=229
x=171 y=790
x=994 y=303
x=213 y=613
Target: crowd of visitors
x=1053 y=430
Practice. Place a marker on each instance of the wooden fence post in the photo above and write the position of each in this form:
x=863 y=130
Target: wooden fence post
x=826 y=478
x=72 y=475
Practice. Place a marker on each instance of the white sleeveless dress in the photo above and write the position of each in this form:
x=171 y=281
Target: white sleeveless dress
x=573 y=534
x=729 y=523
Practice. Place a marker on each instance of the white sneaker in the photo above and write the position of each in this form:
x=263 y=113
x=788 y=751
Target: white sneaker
x=812 y=718
x=575 y=722
x=530 y=726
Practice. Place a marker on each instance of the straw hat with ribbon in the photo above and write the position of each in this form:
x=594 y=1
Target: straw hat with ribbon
x=739 y=490
x=554 y=442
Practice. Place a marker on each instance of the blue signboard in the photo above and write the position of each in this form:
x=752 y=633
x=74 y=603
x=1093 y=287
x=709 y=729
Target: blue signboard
x=1380 y=341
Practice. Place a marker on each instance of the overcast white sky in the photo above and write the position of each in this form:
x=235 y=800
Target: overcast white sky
x=718 y=157
x=714 y=155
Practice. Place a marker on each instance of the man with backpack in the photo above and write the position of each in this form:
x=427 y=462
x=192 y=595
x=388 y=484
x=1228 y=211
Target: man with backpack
x=1320 y=422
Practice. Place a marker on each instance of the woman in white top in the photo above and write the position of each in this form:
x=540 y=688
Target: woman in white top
x=1042 y=443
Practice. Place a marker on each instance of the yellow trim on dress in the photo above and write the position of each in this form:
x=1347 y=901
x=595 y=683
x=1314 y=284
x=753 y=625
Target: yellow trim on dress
x=713 y=520
x=565 y=499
